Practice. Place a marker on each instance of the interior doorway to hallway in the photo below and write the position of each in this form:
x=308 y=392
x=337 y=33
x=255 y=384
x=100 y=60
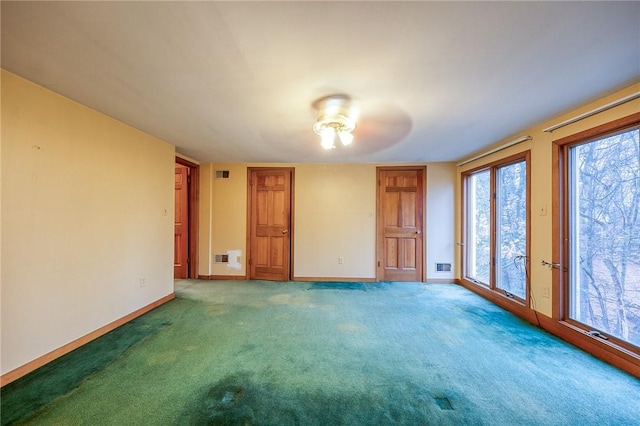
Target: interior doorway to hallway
x=400 y=242
x=185 y=249
x=270 y=234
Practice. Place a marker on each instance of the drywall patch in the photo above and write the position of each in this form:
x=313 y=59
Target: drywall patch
x=234 y=255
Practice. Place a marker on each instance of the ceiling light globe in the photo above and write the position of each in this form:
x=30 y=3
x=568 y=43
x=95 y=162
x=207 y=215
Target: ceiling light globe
x=327 y=136
x=346 y=138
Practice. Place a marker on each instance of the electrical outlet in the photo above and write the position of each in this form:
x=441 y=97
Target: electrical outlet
x=143 y=282
x=545 y=292
x=340 y=260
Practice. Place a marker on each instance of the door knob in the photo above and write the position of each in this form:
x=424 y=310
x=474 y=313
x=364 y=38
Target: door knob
x=418 y=231
x=285 y=231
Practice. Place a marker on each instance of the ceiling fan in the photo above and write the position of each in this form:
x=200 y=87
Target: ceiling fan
x=351 y=129
x=372 y=126
x=337 y=116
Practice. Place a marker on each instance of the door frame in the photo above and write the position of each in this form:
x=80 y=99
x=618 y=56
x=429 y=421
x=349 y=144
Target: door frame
x=193 y=185
x=379 y=236
x=292 y=173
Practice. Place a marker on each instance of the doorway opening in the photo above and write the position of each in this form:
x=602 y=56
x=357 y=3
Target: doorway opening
x=400 y=240
x=185 y=249
x=269 y=223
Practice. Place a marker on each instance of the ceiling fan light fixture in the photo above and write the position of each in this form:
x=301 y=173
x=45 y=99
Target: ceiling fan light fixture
x=336 y=116
x=346 y=138
x=327 y=138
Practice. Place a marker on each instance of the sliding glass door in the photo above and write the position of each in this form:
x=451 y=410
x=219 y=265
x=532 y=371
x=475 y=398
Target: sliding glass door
x=496 y=226
x=478 y=227
x=511 y=228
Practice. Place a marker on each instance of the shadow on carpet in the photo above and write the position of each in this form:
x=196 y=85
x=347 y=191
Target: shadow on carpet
x=245 y=399
x=23 y=397
x=337 y=285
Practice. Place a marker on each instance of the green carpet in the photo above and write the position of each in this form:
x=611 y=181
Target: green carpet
x=22 y=397
x=339 y=285
x=270 y=353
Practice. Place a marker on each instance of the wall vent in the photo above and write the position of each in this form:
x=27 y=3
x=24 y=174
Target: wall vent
x=222 y=174
x=443 y=267
x=222 y=258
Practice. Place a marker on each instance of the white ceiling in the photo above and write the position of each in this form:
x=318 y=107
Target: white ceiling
x=234 y=81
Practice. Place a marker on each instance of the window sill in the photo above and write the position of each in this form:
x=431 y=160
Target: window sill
x=606 y=350
x=511 y=304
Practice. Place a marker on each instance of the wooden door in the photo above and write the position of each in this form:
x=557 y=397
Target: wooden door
x=400 y=222
x=270 y=223
x=181 y=223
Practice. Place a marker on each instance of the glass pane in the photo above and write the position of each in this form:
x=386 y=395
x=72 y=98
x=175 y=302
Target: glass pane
x=604 y=222
x=478 y=214
x=511 y=226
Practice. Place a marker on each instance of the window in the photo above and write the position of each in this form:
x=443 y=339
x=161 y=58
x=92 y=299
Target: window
x=478 y=232
x=600 y=212
x=511 y=228
x=496 y=226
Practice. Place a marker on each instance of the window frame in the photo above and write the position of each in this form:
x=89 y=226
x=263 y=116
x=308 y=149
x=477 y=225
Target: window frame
x=467 y=263
x=491 y=287
x=562 y=226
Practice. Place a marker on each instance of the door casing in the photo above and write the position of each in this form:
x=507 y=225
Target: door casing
x=420 y=219
x=181 y=223
x=192 y=202
x=288 y=253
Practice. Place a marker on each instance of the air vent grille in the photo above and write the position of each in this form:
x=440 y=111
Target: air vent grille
x=222 y=174
x=222 y=258
x=443 y=267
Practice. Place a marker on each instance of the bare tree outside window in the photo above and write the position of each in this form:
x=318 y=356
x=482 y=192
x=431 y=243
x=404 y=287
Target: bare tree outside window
x=511 y=228
x=604 y=234
x=496 y=226
x=478 y=229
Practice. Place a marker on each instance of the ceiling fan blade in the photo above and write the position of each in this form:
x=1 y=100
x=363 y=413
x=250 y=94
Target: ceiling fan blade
x=380 y=127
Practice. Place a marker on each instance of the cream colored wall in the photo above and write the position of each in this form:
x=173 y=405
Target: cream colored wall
x=204 y=219
x=229 y=218
x=440 y=221
x=334 y=216
x=541 y=185
x=87 y=212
